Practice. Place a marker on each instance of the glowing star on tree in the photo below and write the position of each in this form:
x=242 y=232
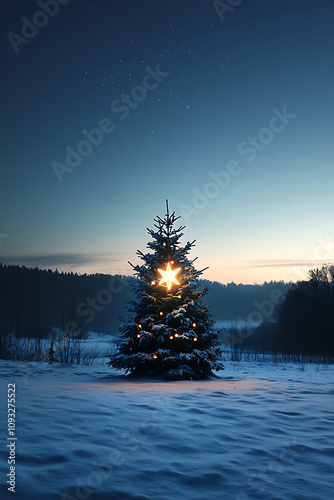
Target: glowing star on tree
x=169 y=276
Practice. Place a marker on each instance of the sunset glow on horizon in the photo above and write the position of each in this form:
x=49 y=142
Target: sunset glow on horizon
x=231 y=120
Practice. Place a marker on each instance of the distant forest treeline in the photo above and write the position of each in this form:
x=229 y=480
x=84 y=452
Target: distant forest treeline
x=33 y=300
x=304 y=321
x=306 y=317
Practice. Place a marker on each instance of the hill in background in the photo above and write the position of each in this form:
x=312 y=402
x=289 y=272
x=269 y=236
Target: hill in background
x=33 y=300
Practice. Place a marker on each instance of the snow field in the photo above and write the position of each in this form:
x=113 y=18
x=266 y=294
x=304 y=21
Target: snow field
x=258 y=431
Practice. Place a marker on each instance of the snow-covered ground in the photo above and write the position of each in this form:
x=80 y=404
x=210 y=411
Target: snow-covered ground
x=257 y=432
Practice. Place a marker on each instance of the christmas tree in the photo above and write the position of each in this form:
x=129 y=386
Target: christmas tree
x=171 y=332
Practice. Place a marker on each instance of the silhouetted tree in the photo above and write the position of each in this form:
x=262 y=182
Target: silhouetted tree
x=306 y=317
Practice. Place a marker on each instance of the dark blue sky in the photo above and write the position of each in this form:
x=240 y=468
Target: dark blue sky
x=236 y=132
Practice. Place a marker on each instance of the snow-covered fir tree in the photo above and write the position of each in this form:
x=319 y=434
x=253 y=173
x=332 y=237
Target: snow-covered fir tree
x=171 y=334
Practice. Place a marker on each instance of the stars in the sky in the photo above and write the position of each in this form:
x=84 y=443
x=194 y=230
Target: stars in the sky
x=103 y=84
